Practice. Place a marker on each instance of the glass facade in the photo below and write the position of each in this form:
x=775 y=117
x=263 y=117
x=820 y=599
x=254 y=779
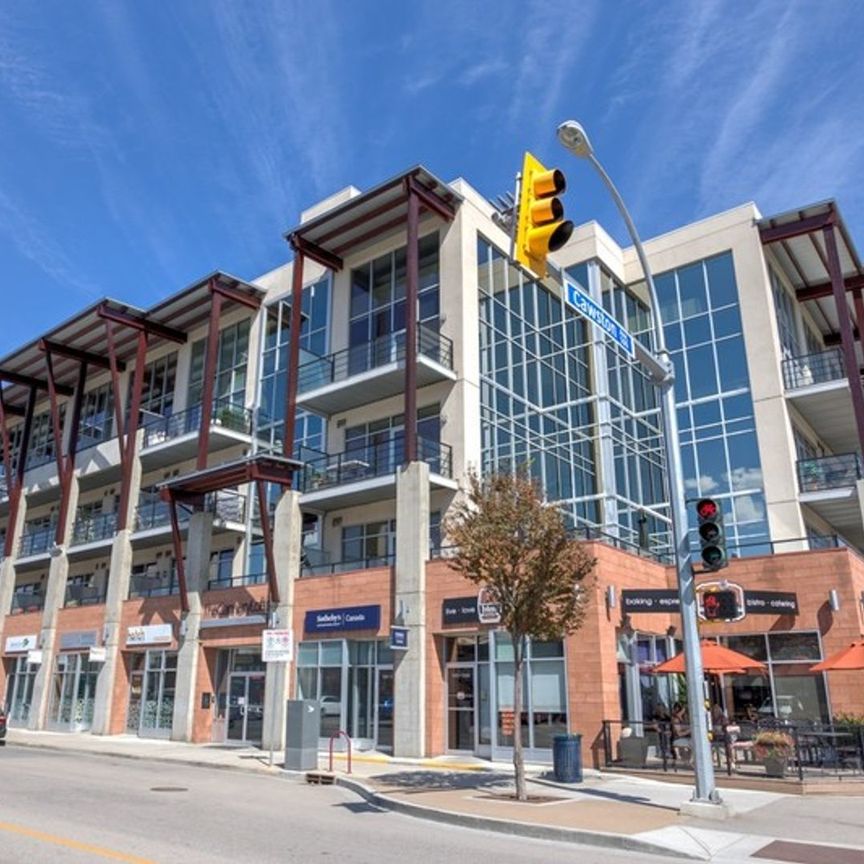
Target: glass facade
x=719 y=448
x=562 y=401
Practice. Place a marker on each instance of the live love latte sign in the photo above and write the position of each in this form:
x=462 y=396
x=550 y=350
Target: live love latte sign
x=659 y=600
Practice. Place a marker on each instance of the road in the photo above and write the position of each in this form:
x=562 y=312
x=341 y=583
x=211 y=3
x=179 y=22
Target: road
x=59 y=807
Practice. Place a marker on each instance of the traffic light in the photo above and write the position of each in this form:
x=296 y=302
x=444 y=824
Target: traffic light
x=541 y=228
x=720 y=605
x=712 y=536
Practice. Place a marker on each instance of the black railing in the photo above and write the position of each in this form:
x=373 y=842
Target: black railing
x=84 y=595
x=819 y=368
x=373 y=460
x=27 y=601
x=310 y=567
x=829 y=472
x=226 y=413
x=371 y=355
x=153 y=585
x=89 y=529
x=37 y=540
x=223 y=582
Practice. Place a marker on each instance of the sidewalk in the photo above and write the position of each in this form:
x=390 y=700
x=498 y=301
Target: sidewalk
x=609 y=810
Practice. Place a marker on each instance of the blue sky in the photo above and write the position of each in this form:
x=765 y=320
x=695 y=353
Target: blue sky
x=144 y=144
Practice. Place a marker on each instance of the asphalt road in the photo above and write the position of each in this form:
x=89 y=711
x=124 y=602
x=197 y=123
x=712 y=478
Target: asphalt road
x=58 y=807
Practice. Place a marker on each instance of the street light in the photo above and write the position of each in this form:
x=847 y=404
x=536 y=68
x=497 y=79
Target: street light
x=575 y=139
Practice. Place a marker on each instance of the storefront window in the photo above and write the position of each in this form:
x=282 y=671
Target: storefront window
x=73 y=693
x=19 y=691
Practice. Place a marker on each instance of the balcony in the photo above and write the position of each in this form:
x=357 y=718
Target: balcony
x=829 y=486
x=37 y=540
x=317 y=565
x=94 y=528
x=175 y=438
x=816 y=385
x=221 y=583
x=153 y=515
x=368 y=473
x=145 y=585
x=84 y=595
x=27 y=601
x=371 y=371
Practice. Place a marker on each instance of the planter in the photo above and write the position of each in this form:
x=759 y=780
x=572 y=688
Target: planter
x=775 y=766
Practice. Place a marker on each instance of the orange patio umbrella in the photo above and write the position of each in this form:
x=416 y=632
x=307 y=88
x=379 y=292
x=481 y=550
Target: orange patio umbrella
x=851 y=657
x=716 y=660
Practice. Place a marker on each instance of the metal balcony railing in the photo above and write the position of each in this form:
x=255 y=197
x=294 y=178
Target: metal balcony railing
x=818 y=368
x=89 y=529
x=222 y=582
x=35 y=541
x=316 y=567
x=228 y=505
x=829 y=472
x=370 y=355
x=27 y=601
x=226 y=413
x=153 y=512
x=84 y=595
x=373 y=460
x=153 y=585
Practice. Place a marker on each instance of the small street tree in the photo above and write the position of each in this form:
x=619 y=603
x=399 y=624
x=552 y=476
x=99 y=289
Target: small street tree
x=517 y=548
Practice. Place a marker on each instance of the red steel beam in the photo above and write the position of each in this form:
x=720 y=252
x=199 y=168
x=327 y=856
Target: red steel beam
x=240 y=297
x=26 y=432
x=177 y=543
x=796 y=229
x=32 y=383
x=378 y=230
x=323 y=256
x=858 y=300
x=823 y=289
x=130 y=446
x=430 y=201
x=412 y=283
x=210 y=362
x=266 y=530
x=847 y=340
x=136 y=322
x=87 y=357
x=293 y=355
x=351 y=224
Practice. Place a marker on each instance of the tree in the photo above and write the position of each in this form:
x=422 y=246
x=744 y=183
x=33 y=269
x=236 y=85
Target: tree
x=518 y=548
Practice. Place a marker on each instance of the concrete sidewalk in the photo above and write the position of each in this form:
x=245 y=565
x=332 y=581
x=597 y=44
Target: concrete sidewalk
x=607 y=810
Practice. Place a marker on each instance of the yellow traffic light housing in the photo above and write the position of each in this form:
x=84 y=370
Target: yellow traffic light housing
x=541 y=227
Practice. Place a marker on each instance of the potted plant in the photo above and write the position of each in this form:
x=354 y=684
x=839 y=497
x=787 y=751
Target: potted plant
x=773 y=749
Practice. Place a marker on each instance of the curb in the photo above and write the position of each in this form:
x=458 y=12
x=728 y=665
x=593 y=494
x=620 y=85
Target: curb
x=519 y=829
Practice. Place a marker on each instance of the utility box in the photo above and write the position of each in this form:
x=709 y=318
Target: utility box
x=302 y=731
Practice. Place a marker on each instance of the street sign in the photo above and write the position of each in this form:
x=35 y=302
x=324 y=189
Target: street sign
x=398 y=638
x=277 y=646
x=595 y=313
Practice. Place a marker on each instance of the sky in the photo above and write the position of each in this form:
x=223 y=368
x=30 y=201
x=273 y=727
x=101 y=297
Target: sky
x=143 y=145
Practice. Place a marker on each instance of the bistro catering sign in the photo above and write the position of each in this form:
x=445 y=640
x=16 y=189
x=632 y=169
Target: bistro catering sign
x=346 y=618
x=666 y=601
x=150 y=634
x=16 y=644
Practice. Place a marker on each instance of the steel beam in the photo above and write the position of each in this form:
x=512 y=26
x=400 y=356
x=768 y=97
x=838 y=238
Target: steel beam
x=847 y=339
x=113 y=365
x=32 y=383
x=211 y=359
x=293 y=356
x=430 y=201
x=136 y=322
x=87 y=357
x=412 y=283
x=796 y=229
x=267 y=531
x=236 y=296
x=177 y=543
x=308 y=249
x=131 y=443
x=824 y=289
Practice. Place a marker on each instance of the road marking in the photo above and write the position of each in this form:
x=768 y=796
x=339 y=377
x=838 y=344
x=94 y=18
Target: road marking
x=69 y=843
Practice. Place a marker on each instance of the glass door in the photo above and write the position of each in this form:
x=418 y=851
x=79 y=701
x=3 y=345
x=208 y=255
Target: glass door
x=236 y=729
x=245 y=708
x=19 y=692
x=384 y=710
x=461 y=720
x=254 y=708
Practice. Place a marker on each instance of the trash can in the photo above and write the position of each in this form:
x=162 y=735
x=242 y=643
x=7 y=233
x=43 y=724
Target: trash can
x=567 y=758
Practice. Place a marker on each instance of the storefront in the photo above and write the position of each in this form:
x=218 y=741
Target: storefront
x=239 y=696
x=20 y=674
x=73 y=692
x=152 y=680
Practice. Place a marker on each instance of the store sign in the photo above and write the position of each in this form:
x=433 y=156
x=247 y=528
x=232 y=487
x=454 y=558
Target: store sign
x=459 y=610
x=650 y=600
x=488 y=611
x=20 y=643
x=98 y=655
x=277 y=646
x=399 y=638
x=150 y=634
x=77 y=639
x=34 y=657
x=338 y=620
x=241 y=612
x=770 y=603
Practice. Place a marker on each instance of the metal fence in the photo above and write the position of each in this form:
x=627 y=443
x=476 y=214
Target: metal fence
x=819 y=368
x=829 y=472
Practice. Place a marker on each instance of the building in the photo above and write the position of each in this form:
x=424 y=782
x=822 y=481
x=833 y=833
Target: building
x=153 y=525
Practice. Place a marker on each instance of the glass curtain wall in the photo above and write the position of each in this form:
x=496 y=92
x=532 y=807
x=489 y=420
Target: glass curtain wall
x=719 y=448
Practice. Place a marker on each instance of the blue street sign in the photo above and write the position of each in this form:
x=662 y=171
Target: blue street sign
x=399 y=638
x=347 y=618
x=583 y=304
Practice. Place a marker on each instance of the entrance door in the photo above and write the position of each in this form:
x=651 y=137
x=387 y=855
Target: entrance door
x=384 y=719
x=245 y=708
x=461 y=720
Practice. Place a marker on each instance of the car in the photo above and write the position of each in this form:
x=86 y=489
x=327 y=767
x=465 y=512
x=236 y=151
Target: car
x=2 y=726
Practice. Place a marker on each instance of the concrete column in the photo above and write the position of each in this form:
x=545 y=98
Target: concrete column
x=287 y=543
x=412 y=552
x=55 y=597
x=197 y=570
x=118 y=590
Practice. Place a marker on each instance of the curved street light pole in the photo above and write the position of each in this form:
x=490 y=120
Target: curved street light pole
x=574 y=138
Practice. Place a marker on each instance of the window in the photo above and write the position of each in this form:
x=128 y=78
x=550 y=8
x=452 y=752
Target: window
x=373 y=542
x=157 y=389
x=231 y=363
x=97 y=416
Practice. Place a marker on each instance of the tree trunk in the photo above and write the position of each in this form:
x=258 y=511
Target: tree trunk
x=518 y=756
